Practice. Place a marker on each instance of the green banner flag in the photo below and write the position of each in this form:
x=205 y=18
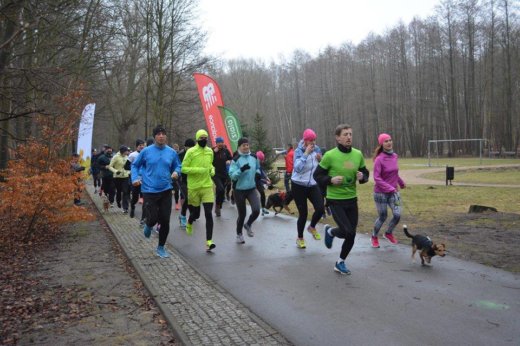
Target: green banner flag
x=232 y=125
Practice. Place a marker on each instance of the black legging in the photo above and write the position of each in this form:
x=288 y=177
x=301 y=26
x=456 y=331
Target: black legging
x=195 y=214
x=108 y=188
x=97 y=179
x=136 y=192
x=301 y=194
x=240 y=199
x=122 y=191
x=158 y=207
x=345 y=213
x=261 y=191
x=220 y=189
x=184 y=194
x=176 y=189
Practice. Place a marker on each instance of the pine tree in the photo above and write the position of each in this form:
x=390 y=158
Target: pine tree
x=259 y=142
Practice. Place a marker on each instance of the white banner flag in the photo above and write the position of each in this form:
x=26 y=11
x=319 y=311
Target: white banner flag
x=86 y=128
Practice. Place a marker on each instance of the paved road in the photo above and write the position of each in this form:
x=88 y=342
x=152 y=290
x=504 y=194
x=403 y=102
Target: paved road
x=387 y=299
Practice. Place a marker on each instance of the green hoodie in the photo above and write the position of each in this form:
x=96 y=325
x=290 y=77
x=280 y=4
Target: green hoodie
x=198 y=165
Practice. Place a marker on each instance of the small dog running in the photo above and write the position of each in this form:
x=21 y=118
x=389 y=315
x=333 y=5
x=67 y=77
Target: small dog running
x=106 y=203
x=278 y=201
x=427 y=248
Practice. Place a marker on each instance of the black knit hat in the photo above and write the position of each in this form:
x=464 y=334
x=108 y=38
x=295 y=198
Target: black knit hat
x=158 y=129
x=138 y=142
x=243 y=140
x=189 y=143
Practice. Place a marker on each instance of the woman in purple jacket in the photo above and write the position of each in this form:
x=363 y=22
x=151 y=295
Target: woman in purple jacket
x=386 y=189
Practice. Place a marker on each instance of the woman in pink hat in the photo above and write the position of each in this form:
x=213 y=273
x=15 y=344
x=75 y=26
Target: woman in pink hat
x=306 y=159
x=386 y=188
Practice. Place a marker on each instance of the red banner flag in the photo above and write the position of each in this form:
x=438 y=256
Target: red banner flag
x=211 y=99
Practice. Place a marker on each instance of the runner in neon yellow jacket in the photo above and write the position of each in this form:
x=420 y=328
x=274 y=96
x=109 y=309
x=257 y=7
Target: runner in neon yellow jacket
x=198 y=166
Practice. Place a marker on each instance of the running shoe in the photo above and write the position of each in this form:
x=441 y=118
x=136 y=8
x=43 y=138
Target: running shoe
x=210 y=245
x=328 y=237
x=147 y=231
x=142 y=222
x=314 y=232
x=125 y=211
x=390 y=237
x=341 y=268
x=300 y=243
x=157 y=228
x=240 y=239
x=189 y=228
x=375 y=242
x=182 y=221
x=161 y=252
x=249 y=230
x=265 y=212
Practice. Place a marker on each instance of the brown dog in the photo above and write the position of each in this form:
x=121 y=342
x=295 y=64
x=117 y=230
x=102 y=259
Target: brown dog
x=106 y=203
x=427 y=248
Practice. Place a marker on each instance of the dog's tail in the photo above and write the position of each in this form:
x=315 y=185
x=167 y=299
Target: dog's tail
x=405 y=229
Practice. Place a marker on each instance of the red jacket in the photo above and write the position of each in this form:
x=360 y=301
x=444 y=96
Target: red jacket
x=289 y=161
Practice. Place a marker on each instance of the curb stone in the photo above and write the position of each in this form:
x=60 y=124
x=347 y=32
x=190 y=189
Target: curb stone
x=198 y=310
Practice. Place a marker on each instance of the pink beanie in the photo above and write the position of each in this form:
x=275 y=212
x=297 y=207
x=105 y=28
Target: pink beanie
x=260 y=156
x=309 y=135
x=383 y=137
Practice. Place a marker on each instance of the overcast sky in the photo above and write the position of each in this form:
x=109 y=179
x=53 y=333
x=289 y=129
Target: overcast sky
x=266 y=29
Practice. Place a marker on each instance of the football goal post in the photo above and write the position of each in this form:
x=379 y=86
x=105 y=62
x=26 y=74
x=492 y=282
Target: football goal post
x=435 y=144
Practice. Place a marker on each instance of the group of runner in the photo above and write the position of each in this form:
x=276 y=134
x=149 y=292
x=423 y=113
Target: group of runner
x=205 y=175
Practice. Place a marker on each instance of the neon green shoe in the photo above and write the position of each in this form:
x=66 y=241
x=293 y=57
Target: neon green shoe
x=189 y=228
x=314 y=232
x=210 y=245
x=300 y=243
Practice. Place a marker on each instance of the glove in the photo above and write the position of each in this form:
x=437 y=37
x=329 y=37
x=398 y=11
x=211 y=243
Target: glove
x=245 y=167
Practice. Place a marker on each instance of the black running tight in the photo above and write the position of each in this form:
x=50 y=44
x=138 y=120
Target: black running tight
x=301 y=194
x=195 y=214
x=345 y=213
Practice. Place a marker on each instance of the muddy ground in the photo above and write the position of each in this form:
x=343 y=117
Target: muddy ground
x=488 y=238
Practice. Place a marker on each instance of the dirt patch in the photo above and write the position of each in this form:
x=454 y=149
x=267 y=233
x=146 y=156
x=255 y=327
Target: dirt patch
x=489 y=238
x=80 y=290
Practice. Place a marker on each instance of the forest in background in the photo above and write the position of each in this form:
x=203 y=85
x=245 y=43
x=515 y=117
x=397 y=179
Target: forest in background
x=452 y=75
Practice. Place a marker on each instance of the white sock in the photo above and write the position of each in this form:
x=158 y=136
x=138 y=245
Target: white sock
x=340 y=260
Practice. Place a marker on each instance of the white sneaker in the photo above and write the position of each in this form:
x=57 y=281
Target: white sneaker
x=240 y=239
x=249 y=230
